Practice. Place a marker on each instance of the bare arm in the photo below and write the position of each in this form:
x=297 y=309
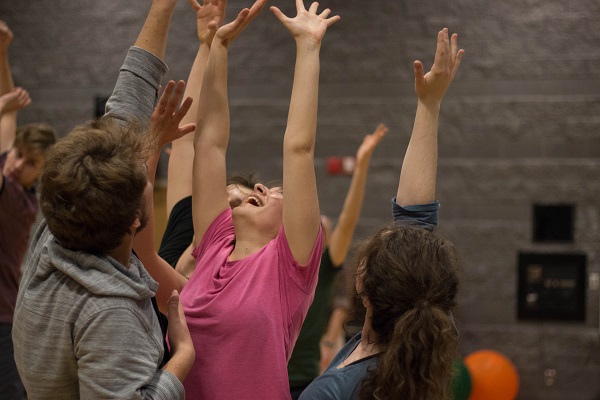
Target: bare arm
x=153 y=36
x=333 y=338
x=419 y=168
x=341 y=237
x=209 y=17
x=209 y=196
x=10 y=103
x=136 y=91
x=301 y=216
x=8 y=119
x=165 y=127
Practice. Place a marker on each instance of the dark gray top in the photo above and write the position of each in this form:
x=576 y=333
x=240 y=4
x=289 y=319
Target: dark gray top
x=343 y=383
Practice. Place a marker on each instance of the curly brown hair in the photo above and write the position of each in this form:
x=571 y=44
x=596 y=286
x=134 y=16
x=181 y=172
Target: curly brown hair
x=409 y=276
x=92 y=185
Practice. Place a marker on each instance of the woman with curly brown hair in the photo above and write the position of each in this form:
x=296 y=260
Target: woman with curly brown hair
x=406 y=275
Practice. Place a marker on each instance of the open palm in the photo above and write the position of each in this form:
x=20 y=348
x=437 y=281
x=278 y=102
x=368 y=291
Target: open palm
x=209 y=17
x=432 y=86
x=307 y=23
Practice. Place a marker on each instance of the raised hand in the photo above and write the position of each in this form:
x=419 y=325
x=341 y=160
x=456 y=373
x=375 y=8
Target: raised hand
x=14 y=100
x=209 y=17
x=6 y=36
x=227 y=33
x=307 y=24
x=431 y=87
x=167 y=116
x=370 y=142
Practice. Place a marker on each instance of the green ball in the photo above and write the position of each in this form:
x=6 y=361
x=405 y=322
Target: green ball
x=461 y=380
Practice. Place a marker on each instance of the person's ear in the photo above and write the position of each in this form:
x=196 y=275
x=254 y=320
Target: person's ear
x=136 y=224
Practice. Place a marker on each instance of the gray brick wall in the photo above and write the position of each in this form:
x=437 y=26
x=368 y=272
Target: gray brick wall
x=521 y=125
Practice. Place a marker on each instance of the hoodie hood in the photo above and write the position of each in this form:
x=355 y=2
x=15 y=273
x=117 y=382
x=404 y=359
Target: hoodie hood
x=100 y=275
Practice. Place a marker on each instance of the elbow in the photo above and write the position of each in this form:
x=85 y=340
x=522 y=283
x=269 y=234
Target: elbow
x=299 y=147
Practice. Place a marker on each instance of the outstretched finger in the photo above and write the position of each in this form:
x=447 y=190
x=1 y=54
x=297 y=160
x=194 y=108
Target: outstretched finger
x=447 y=52
x=325 y=13
x=232 y=29
x=187 y=128
x=439 y=51
x=332 y=20
x=183 y=110
x=278 y=14
x=176 y=97
x=459 y=56
x=166 y=94
x=313 y=8
x=379 y=134
x=300 y=5
x=381 y=130
x=195 y=5
x=419 y=71
x=454 y=46
x=256 y=9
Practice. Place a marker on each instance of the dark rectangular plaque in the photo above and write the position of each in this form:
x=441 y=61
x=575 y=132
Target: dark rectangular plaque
x=552 y=286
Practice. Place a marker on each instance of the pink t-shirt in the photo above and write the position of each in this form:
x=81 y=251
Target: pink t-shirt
x=244 y=316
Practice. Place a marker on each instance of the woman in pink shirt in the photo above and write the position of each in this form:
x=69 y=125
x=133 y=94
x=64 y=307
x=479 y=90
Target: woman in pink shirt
x=256 y=265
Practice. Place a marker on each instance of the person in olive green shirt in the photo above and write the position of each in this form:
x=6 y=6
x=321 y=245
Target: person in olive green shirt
x=304 y=364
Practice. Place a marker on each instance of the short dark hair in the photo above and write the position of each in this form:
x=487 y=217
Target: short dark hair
x=92 y=185
x=248 y=181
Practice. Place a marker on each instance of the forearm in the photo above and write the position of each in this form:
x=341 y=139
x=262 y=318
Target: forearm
x=8 y=129
x=143 y=244
x=194 y=86
x=182 y=150
x=152 y=166
x=180 y=364
x=209 y=197
x=335 y=326
x=419 y=168
x=341 y=237
x=153 y=36
x=302 y=117
x=8 y=120
x=6 y=79
x=301 y=204
x=213 y=105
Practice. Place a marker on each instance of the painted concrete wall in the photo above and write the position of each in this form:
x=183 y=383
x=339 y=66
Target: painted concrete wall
x=520 y=126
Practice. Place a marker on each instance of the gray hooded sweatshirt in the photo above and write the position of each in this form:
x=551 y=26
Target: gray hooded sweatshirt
x=84 y=326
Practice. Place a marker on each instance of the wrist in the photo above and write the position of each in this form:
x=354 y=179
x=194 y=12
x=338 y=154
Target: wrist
x=163 y=6
x=307 y=44
x=432 y=105
x=219 y=44
x=204 y=47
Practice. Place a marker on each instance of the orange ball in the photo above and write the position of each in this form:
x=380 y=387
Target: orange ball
x=493 y=376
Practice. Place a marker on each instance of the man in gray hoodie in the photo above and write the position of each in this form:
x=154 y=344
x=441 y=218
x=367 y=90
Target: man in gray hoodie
x=84 y=324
